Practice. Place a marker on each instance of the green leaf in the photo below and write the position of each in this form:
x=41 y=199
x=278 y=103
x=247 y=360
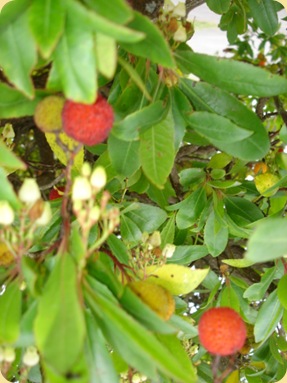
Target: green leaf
x=18 y=54
x=154 y=46
x=138 y=346
x=242 y=211
x=219 y=6
x=268 y=317
x=124 y=155
x=75 y=61
x=233 y=76
x=184 y=255
x=256 y=291
x=147 y=218
x=191 y=208
x=106 y=54
x=206 y=97
x=215 y=234
x=97 y=23
x=281 y=291
x=238 y=263
x=116 y=10
x=268 y=241
x=229 y=298
x=9 y=160
x=10 y=309
x=157 y=152
x=101 y=365
x=180 y=105
x=7 y=192
x=130 y=127
x=11 y=11
x=47 y=19
x=129 y=230
x=135 y=77
x=177 y=279
x=264 y=14
x=60 y=326
x=118 y=249
x=168 y=232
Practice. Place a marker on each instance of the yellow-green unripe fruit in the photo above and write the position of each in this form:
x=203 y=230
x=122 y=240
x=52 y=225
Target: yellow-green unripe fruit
x=48 y=114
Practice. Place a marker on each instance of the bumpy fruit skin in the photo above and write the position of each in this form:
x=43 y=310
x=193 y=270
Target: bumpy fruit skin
x=88 y=124
x=54 y=193
x=222 y=331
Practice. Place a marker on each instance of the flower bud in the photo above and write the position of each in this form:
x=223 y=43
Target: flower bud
x=98 y=178
x=180 y=34
x=86 y=169
x=31 y=357
x=168 y=250
x=154 y=240
x=179 y=10
x=6 y=213
x=46 y=215
x=95 y=214
x=81 y=189
x=9 y=354
x=29 y=192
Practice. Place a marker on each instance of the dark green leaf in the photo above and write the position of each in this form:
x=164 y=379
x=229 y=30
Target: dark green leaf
x=242 y=211
x=116 y=10
x=124 y=155
x=219 y=6
x=191 y=208
x=167 y=233
x=154 y=46
x=215 y=235
x=47 y=23
x=211 y=99
x=281 y=291
x=268 y=318
x=231 y=75
x=18 y=54
x=269 y=240
x=129 y=230
x=157 y=152
x=265 y=15
x=185 y=255
x=148 y=218
x=10 y=313
x=118 y=248
x=256 y=291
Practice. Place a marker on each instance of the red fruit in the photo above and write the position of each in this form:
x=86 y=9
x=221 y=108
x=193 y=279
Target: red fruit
x=88 y=124
x=54 y=193
x=222 y=331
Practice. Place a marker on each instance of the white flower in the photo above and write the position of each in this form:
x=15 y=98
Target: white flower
x=179 y=10
x=168 y=250
x=6 y=213
x=81 y=189
x=180 y=34
x=31 y=357
x=29 y=191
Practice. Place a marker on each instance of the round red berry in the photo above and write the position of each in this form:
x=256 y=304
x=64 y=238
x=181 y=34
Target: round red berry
x=88 y=124
x=222 y=331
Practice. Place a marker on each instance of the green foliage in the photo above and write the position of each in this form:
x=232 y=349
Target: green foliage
x=188 y=191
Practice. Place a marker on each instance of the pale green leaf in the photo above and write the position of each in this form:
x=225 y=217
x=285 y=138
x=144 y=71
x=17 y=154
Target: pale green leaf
x=106 y=54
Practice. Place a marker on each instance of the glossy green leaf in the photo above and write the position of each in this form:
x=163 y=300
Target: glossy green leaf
x=177 y=279
x=229 y=298
x=118 y=248
x=130 y=127
x=75 y=61
x=117 y=10
x=206 y=97
x=157 y=152
x=106 y=54
x=242 y=211
x=168 y=232
x=219 y=6
x=11 y=11
x=59 y=326
x=268 y=241
x=9 y=160
x=10 y=313
x=97 y=23
x=282 y=291
x=18 y=54
x=7 y=192
x=154 y=46
x=185 y=255
x=215 y=234
x=47 y=19
x=100 y=362
x=191 y=208
x=264 y=13
x=233 y=76
x=138 y=346
x=124 y=155
x=268 y=318
x=129 y=230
